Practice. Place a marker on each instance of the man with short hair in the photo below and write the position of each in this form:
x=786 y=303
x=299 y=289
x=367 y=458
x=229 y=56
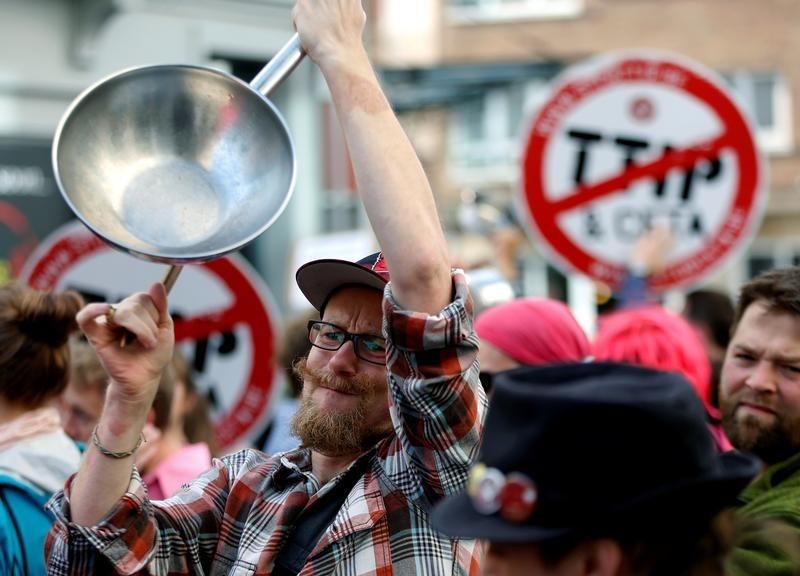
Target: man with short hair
x=760 y=401
x=391 y=411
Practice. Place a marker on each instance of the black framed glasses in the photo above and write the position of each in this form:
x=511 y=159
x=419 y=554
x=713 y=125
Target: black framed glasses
x=331 y=337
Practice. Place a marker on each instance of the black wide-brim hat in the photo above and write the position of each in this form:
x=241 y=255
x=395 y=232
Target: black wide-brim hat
x=319 y=279
x=588 y=449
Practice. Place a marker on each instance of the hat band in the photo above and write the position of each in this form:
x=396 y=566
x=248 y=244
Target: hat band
x=513 y=495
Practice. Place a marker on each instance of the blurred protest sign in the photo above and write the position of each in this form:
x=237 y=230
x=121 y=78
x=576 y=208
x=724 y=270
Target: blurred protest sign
x=630 y=139
x=225 y=322
x=30 y=204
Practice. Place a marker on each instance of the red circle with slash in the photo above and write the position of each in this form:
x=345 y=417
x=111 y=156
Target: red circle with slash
x=220 y=297
x=551 y=203
x=17 y=224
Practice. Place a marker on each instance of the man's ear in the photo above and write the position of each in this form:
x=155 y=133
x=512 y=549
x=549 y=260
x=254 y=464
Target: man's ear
x=601 y=557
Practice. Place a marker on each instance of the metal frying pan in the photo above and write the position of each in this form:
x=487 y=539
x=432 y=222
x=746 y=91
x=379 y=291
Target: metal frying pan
x=178 y=164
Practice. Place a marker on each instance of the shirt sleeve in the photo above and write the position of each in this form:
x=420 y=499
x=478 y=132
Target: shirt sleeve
x=766 y=549
x=436 y=401
x=139 y=536
x=768 y=523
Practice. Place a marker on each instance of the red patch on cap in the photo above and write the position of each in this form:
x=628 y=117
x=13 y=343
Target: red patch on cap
x=379 y=266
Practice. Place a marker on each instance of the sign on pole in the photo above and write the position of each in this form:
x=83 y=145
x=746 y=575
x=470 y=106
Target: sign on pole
x=630 y=139
x=225 y=322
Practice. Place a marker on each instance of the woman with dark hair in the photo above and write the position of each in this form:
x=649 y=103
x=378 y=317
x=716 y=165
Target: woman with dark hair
x=36 y=456
x=171 y=456
x=711 y=313
x=197 y=423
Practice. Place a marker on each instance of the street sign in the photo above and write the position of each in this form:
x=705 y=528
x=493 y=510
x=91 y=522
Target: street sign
x=225 y=322
x=631 y=139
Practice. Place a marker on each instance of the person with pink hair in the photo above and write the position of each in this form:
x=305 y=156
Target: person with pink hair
x=528 y=331
x=654 y=337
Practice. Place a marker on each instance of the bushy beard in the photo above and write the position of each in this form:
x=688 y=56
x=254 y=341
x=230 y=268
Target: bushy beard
x=336 y=433
x=772 y=443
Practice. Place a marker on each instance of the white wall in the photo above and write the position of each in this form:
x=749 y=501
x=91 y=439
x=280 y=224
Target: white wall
x=408 y=32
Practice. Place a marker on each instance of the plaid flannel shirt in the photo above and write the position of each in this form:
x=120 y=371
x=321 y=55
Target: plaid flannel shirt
x=233 y=518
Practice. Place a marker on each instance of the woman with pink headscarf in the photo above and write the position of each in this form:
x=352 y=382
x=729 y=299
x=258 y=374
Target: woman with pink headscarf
x=528 y=331
x=654 y=337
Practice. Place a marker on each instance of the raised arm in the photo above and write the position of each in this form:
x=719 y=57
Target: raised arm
x=134 y=370
x=390 y=178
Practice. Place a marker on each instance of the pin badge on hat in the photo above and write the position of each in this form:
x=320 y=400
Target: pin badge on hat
x=484 y=488
x=517 y=498
x=513 y=495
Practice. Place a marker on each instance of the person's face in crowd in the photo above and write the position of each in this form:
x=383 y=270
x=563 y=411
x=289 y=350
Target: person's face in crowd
x=344 y=406
x=494 y=360
x=760 y=384
x=594 y=557
x=80 y=410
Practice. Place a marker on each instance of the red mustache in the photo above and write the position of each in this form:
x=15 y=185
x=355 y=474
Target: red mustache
x=357 y=385
x=758 y=400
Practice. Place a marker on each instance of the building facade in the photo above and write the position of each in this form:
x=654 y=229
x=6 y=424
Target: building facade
x=485 y=67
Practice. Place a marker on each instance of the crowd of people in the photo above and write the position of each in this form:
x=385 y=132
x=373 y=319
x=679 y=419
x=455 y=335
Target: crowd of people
x=428 y=442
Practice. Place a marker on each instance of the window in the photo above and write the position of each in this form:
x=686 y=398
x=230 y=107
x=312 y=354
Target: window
x=768 y=255
x=341 y=211
x=487 y=131
x=758 y=263
x=765 y=95
x=340 y=205
x=470 y=11
x=481 y=136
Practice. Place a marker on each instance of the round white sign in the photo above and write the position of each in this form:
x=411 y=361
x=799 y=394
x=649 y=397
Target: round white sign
x=225 y=322
x=631 y=139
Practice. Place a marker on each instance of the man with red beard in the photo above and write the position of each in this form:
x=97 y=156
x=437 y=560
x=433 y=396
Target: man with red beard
x=760 y=400
x=392 y=408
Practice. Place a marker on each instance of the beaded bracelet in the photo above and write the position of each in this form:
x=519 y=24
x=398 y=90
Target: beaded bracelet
x=106 y=452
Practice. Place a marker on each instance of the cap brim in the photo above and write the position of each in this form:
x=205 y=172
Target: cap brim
x=456 y=516
x=319 y=279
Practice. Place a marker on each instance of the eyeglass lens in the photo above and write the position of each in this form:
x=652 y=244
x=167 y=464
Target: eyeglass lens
x=331 y=337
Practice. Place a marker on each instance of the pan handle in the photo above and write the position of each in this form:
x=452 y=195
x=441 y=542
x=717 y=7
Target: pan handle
x=279 y=66
x=171 y=276
x=169 y=281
